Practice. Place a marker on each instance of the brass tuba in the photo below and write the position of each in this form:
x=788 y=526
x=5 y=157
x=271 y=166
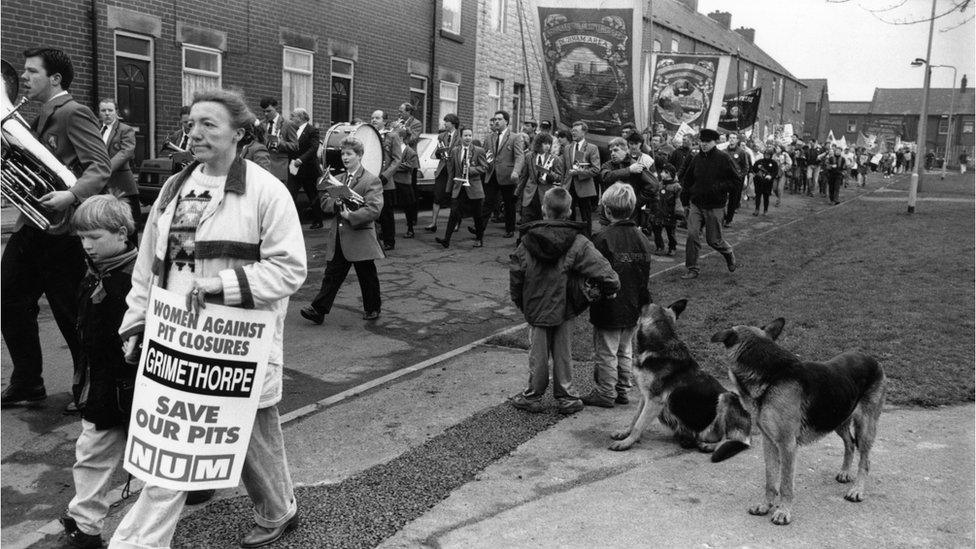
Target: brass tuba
x=28 y=170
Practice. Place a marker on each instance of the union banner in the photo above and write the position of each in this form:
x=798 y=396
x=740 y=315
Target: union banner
x=687 y=89
x=591 y=53
x=739 y=111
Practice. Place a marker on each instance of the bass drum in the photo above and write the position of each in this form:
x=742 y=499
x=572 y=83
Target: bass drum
x=331 y=158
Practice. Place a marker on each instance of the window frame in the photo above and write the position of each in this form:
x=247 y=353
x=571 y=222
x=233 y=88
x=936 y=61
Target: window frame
x=424 y=91
x=851 y=125
x=285 y=50
x=675 y=44
x=352 y=82
x=499 y=8
x=967 y=125
x=656 y=46
x=440 y=100
x=495 y=102
x=455 y=27
x=200 y=72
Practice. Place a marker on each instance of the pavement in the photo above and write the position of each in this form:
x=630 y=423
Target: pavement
x=365 y=398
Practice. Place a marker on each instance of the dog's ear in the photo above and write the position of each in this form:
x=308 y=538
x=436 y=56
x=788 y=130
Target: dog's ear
x=728 y=337
x=678 y=307
x=774 y=328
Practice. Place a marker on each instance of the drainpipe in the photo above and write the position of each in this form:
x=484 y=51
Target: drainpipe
x=94 y=42
x=431 y=122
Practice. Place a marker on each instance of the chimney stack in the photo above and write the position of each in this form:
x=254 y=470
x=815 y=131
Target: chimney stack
x=748 y=34
x=724 y=18
x=689 y=4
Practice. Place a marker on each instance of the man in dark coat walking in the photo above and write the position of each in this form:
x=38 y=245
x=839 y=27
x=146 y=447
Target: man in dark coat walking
x=708 y=179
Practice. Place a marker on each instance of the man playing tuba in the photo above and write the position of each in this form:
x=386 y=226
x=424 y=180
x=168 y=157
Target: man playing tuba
x=49 y=262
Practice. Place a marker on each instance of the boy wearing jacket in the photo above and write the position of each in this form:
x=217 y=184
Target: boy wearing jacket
x=627 y=249
x=104 y=382
x=553 y=261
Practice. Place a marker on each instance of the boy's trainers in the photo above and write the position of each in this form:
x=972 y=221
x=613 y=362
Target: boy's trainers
x=596 y=399
x=570 y=407
x=533 y=405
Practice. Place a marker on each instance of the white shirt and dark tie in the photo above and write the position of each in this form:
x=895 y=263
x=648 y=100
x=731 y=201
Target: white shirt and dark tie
x=107 y=131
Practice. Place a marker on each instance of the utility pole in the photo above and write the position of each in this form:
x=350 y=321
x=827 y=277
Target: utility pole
x=952 y=105
x=923 y=118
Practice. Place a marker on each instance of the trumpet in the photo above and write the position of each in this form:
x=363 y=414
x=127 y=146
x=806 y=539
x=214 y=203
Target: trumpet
x=464 y=179
x=28 y=170
x=339 y=190
x=172 y=147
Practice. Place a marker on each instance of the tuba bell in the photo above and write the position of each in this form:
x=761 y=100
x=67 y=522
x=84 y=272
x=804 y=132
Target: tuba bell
x=28 y=170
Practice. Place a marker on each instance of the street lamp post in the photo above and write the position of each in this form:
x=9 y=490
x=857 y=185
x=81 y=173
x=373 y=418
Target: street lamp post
x=920 y=140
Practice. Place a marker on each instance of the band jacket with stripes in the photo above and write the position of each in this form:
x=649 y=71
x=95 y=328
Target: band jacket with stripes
x=249 y=236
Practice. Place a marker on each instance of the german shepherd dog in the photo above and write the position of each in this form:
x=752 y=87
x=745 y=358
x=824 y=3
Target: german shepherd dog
x=675 y=389
x=797 y=402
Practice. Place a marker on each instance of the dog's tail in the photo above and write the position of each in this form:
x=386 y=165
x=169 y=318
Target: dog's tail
x=728 y=449
x=733 y=423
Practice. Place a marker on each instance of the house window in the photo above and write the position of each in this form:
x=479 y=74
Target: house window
x=745 y=80
x=657 y=45
x=418 y=98
x=495 y=87
x=967 y=125
x=755 y=77
x=796 y=100
x=296 y=80
x=944 y=125
x=781 y=86
x=342 y=77
x=451 y=16
x=772 y=101
x=201 y=70
x=496 y=14
x=449 y=101
x=518 y=99
x=674 y=44
x=851 y=125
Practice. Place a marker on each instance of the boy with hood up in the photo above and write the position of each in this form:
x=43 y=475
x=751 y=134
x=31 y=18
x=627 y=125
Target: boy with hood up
x=554 y=272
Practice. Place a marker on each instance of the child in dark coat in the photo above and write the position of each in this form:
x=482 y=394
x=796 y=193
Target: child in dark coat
x=552 y=262
x=103 y=382
x=614 y=320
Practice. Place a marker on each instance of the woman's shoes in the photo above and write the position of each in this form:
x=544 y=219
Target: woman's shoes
x=431 y=228
x=371 y=315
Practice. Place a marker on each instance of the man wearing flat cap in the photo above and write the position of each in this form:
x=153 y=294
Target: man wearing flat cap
x=709 y=178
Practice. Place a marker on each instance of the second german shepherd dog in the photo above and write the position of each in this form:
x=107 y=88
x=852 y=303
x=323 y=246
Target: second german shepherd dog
x=797 y=402
x=675 y=389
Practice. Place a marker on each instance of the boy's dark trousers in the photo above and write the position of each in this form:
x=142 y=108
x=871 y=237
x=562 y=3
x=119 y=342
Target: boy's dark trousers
x=335 y=274
x=457 y=211
x=35 y=263
x=836 y=180
x=658 y=238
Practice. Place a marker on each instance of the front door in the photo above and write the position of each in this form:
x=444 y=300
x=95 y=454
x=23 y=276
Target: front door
x=132 y=82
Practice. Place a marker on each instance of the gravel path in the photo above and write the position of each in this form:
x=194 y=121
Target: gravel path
x=365 y=509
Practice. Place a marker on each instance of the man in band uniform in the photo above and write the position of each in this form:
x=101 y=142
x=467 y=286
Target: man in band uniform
x=52 y=262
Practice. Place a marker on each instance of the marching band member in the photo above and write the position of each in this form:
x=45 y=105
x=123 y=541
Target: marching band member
x=354 y=236
x=468 y=166
x=121 y=142
x=541 y=172
x=447 y=141
x=277 y=130
x=50 y=262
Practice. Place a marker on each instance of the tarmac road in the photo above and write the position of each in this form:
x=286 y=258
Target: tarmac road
x=435 y=300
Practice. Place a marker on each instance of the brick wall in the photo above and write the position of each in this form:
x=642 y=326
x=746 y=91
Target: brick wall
x=500 y=55
x=387 y=41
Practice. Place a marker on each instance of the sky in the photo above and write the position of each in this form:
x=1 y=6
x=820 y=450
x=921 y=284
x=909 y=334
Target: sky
x=848 y=45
